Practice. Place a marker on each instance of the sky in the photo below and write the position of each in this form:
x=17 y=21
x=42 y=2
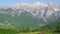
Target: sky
x=13 y=2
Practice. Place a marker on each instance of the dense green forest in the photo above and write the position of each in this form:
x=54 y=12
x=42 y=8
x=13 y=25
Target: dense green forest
x=51 y=28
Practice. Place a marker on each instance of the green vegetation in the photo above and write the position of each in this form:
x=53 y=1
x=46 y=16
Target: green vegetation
x=25 y=21
x=26 y=30
x=52 y=28
x=8 y=31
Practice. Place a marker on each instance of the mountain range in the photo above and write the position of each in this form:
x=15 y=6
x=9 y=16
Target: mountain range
x=29 y=15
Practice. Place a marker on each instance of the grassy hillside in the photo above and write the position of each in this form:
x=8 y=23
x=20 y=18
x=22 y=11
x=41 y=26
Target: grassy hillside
x=8 y=31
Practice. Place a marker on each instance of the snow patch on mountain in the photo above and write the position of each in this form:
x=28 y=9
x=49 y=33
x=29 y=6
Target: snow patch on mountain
x=38 y=9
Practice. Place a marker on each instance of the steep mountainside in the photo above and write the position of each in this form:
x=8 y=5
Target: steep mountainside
x=29 y=15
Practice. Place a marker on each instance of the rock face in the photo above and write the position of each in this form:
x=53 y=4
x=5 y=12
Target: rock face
x=33 y=14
